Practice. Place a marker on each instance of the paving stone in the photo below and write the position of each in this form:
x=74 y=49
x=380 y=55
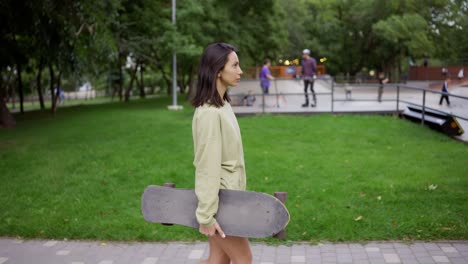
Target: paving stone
x=267 y=258
x=441 y=259
x=453 y=255
x=372 y=249
x=314 y=259
x=391 y=258
x=343 y=251
x=329 y=259
x=359 y=256
x=62 y=252
x=106 y=262
x=449 y=249
x=358 y=252
x=418 y=247
x=363 y=261
x=313 y=250
x=327 y=248
x=461 y=247
x=300 y=247
x=388 y=251
x=356 y=246
x=404 y=251
x=439 y=253
x=150 y=261
x=410 y=261
x=399 y=245
x=298 y=259
x=458 y=260
x=344 y=258
x=50 y=243
x=386 y=246
x=377 y=261
x=372 y=244
x=313 y=255
x=407 y=258
x=425 y=260
x=431 y=246
x=196 y=254
x=283 y=258
x=375 y=255
x=421 y=254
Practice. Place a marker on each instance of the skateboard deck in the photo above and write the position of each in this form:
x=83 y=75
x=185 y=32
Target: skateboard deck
x=240 y=213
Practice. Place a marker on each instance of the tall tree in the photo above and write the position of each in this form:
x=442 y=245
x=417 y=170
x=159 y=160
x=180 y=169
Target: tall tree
x=403 y=36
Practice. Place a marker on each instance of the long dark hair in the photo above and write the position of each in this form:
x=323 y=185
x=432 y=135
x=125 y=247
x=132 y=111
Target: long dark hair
x=212 y=62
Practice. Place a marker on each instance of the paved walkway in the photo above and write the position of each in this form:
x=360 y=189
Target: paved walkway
x=14 y=251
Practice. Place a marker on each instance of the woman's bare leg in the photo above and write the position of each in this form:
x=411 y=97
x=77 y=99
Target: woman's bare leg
x=217 y=254
x=235 y=248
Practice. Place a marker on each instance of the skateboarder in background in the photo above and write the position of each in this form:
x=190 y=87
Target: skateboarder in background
x=309 y=71
x=219 y=157
x=265 y=76
x=382 y=81
x=444 y=94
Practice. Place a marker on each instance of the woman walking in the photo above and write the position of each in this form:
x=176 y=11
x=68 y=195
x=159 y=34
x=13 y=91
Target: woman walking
x=219 y=155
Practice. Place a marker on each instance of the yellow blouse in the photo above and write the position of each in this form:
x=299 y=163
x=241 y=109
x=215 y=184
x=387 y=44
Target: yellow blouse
x=219 y=157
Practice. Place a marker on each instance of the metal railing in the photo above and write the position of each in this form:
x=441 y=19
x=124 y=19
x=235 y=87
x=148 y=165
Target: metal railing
x=424 y=105
x=399 y=94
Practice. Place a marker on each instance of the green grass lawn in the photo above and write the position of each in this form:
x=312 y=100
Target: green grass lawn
x=81 y=173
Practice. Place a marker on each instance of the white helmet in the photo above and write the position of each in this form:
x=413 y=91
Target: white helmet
x=306 y=51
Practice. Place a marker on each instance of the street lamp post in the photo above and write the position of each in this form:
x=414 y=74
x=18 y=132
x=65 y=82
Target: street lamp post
x=174 y=105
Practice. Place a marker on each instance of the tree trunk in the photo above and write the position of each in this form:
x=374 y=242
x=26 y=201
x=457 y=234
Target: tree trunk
x=399 y=68
x=6 y=119
x=2 y=90
x=185 y=77
x=166 y=79
x=181 y=79
x=142 y=84
x=57 y=92
x=181 y=83
x=39 y=84
x=13 y=96
x=190 y=82
x=130 y=85
x=20 y=87
x=120 y=77
x=7 y=90
x=52 y=81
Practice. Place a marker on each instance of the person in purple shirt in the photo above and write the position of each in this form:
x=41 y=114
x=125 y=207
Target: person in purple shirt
x=309 y=71
x=265 y=76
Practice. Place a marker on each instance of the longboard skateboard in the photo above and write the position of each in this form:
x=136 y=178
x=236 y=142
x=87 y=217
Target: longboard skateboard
x=240 y=213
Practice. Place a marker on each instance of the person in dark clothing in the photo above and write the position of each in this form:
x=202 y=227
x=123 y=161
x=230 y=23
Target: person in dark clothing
x=445 y=92
x=382 y=81
x=309 y=70
x=444 y=72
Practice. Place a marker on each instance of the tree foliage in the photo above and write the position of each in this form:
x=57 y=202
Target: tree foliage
x=130 y=43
